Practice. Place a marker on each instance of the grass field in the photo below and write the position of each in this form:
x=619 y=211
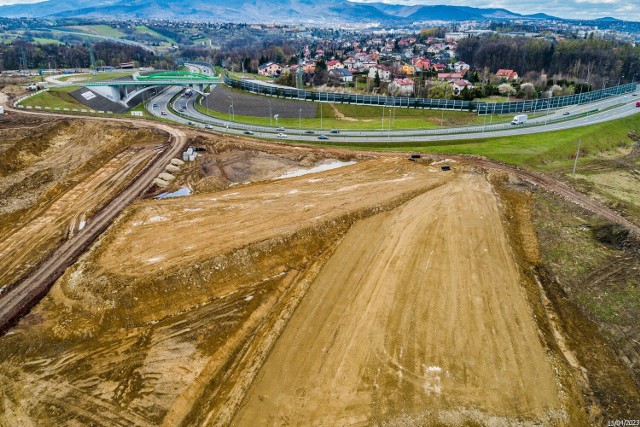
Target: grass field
x=347 y=117
x=97 y=77
x=55 y=98
x=340 y=116
x=42 y=40
x=146 y=30
x=544 y=151
x=100 y=30
x=250 y=76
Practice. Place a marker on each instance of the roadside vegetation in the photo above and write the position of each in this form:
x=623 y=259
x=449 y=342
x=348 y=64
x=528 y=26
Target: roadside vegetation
x=547 y=151
x=57 y=97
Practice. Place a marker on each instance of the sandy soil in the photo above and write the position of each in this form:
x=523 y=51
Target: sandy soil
x=419 y=310
x=54 y=177
x=385 y=293
x=240 y=216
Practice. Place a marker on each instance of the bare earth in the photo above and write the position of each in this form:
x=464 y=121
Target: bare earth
x=418 y=310
x=54 y=178
x=386 y=292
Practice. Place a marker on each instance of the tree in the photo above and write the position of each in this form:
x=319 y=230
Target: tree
x=440 y=90
x=376 y=79
x=556 y=90
x=505 y=89
x=528 y=89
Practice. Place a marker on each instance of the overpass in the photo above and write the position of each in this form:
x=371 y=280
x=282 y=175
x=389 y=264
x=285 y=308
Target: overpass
x=124 y=91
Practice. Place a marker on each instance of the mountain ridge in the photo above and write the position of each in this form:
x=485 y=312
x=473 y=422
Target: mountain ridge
x=260 y=11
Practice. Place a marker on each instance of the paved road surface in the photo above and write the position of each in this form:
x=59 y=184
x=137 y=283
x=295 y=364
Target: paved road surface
x=608 y=109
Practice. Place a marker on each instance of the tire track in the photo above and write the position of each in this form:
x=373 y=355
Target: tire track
x=17 y=301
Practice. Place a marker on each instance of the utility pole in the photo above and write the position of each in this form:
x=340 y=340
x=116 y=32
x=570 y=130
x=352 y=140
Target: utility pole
x=92 y=58
x=23 y=59
x=575 y=163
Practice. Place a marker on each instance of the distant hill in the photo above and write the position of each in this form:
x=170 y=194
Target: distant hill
x=259 y=11
x=608 y=19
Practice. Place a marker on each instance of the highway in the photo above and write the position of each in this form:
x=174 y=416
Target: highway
x=552 y=120
x=608 y=109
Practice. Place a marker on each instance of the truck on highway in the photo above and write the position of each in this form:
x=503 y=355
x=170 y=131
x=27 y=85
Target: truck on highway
x=520 y=119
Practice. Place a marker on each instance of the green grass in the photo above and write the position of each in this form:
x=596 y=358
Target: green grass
x=364 y=117
x=251 y=76
x=496 y=99
x=86 y=78
x=146 y=30
x=544 y=151
x=100 y=30
x=608 y=305
x=54 y=98
x=42 y=40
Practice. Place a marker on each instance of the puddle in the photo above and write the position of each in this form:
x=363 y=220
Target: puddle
x=182 y=192
x=316 y=169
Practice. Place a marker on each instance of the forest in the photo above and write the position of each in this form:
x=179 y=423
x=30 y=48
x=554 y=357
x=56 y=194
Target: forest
x=45 y=56
x=595 y=61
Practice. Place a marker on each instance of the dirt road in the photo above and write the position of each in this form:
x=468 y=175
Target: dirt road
x=418 y=311
x=555 y=186
x=19 y=299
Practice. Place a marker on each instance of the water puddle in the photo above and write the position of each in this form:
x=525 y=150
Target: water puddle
x=320 y=168
x=182 y=192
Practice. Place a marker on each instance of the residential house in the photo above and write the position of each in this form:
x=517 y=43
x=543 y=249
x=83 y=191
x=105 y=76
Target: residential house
x=309 y=67
x=341 y=75
x=383 y=71
x=435 y=48
x=407 y=70
x=401 y=87
x=449 y=76
x=333 y=64
x=421 y=64
x=365 y=66
x=509 y=75
x=351 y=63
x=458 y=85
x=438 y=68
x=269 y=69
x=460 y=65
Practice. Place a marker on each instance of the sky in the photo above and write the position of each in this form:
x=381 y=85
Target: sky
x=628 y=10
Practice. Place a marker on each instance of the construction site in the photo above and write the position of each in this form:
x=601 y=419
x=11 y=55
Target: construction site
x=258 y=283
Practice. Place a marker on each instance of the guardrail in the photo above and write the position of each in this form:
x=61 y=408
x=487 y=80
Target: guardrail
x=390 y=133
x=481 y=108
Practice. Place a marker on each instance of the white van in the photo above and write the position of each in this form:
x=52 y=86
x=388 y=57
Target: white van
x=519 y=119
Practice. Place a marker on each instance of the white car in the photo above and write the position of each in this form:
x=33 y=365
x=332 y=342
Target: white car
x=281 y=136
x=208 y=127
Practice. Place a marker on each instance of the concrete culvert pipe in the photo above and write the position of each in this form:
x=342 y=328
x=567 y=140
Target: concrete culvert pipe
x=166 y=176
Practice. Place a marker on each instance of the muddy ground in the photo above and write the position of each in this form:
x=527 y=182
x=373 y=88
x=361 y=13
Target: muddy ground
x=385 y=292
